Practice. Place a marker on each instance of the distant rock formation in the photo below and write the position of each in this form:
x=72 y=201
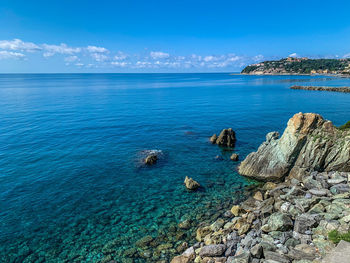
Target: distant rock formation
x=334 y=89
x=309 y=143
x=227 y=138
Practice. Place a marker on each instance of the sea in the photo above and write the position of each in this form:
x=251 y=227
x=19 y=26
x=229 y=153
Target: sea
x=73 y=186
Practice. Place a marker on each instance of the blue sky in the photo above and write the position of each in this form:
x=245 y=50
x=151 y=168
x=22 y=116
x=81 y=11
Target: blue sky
x=166 y=36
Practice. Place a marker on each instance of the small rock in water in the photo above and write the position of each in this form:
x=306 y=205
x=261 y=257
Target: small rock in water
x=191 y=184
x=227 y=138
x=234 y=157
x=186 y=224
x=218 y=157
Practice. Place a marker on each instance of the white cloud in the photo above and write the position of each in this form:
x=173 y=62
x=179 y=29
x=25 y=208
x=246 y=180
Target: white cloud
x=143 y=64
x=120 y=64
x=91 y=54
x=10 y=54
x=120 y=56
x=71 y=59
x=51 y=50
x=209 y=58
x=99 y=57
x=94 y=49
x=159 y=55
x=293 y=55
x=258 y=58
x=19 y=45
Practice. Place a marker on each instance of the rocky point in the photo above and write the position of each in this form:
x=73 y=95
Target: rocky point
x=309 y=143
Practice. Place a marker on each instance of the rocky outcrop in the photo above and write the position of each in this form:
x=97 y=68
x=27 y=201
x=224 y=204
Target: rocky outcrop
x=191 y=184
x=227 y=138
x=309 y=143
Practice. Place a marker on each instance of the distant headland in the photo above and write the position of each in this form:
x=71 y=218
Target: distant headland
x=300 y=66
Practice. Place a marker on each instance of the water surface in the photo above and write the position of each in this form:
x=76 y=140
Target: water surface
x=72 y=186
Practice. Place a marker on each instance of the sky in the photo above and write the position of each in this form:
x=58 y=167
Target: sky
x=166 y=36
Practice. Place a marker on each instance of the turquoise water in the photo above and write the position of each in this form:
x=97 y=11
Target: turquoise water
x=72 y=186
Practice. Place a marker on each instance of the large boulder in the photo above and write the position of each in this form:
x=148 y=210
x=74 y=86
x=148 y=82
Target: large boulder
x=309 y=143
x=212 y=250
x=340 y=254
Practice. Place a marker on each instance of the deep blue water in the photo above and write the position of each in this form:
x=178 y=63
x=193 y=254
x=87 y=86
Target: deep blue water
x=72 y=187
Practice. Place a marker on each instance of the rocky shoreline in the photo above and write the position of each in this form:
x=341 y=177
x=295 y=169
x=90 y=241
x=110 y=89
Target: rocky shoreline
x=289 y=219
x=334 y=89
x=283 y=222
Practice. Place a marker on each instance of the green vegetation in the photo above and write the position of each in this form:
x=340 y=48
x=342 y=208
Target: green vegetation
x=300 y=66
x=345 y=126
x=336 y=237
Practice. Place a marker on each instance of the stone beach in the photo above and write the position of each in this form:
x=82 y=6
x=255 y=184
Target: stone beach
x=280 y=222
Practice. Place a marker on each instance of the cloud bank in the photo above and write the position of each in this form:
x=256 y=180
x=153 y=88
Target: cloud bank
x=92 y=56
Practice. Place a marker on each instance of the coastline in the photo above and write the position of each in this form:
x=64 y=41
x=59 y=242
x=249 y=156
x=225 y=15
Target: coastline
x=300 y=218
x=293 y=74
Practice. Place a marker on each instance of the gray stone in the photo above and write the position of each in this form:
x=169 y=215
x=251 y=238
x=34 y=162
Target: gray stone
x=340 y=254
x=299 y=254
x=279 y=222
x=269 y=255
x=318 y=192
x=212 y=250
x=340 y=188
x=242 y=258
x=338 y=180
x=292 y=242
x=303 y=223
x=190 y=253
x=256 y=251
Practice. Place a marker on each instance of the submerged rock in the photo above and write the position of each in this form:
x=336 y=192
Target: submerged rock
x=191 y=184
x=309 y=143
x=151 y=159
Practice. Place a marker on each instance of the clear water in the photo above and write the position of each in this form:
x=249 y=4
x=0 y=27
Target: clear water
x=72 y=188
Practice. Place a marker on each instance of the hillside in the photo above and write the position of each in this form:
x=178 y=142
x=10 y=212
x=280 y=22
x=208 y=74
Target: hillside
x=300 y=66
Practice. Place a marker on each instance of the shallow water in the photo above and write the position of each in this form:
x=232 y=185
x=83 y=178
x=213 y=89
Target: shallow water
x=72 y=187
